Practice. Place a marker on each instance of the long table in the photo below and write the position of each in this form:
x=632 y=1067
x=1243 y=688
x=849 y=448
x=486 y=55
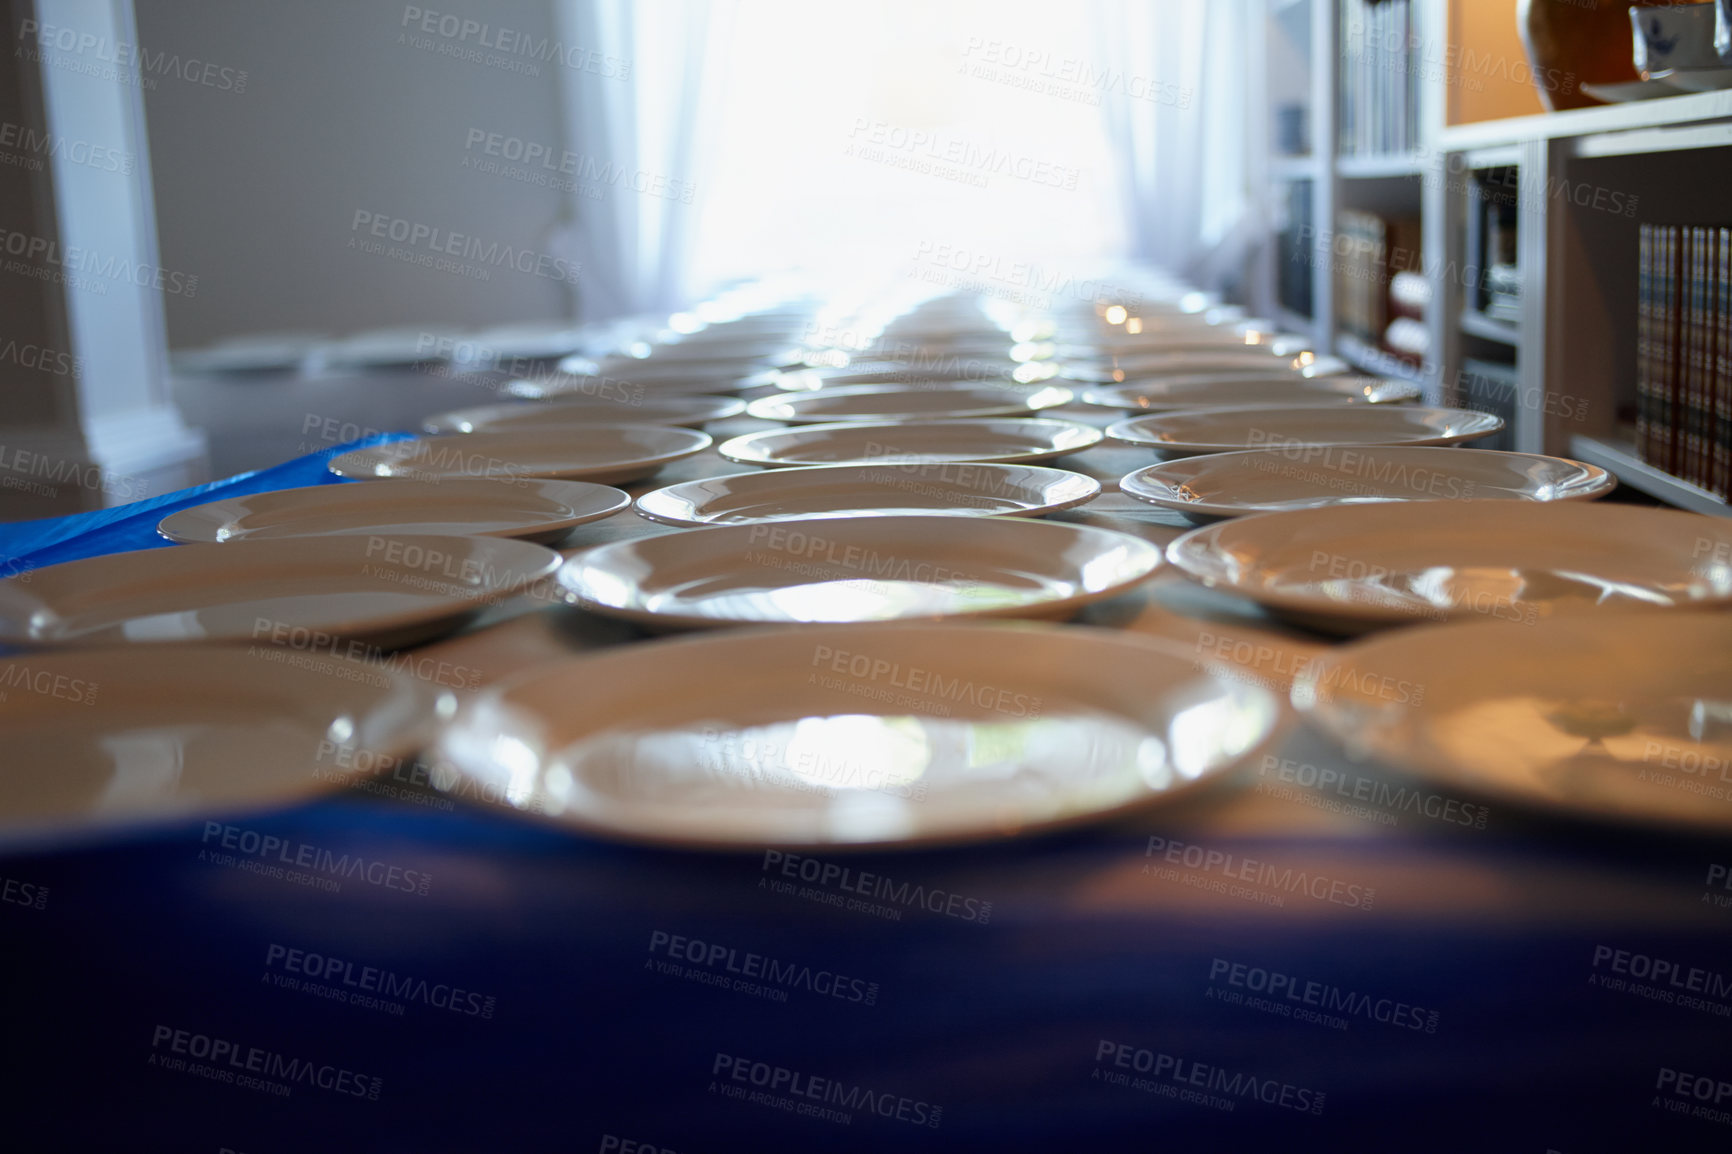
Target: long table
x=1314 y=952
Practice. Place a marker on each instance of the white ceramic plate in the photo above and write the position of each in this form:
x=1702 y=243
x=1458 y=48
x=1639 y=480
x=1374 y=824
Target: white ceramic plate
x=532 y=510
x=1273 y=480
x=1297 y=428
x=857 y=569
x=1004 y=440
x=853 y=737
x=930 y=373
x=1235 y=365
x=1353 y=567
x=1626 y=717
x=603 y=453
x=689 y=410
x=99 y=739
x=903 y=403
x=577 y=376
x=384 y=590
x=1164 y=394
x=875 y=490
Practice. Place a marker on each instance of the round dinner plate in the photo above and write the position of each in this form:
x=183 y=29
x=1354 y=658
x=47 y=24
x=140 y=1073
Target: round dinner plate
x=859 y=569
x=603 y=453
x=690 y=410
x=856 y=737
x=927 y=373
x=906 y=403
x=532 y=510
x=99 y=739
x=1348 y=568
x=1626 y=717
x=873 y=490
x=1003 y=440
x=1233 y=363
x=1300 y=429
x=1191 y=391
x=1273 y=480
x=385 y=590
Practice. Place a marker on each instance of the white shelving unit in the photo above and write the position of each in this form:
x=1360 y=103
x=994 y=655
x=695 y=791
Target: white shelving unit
x=1585 y=180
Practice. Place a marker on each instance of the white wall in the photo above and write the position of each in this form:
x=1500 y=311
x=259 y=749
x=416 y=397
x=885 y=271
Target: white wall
x=259 y=177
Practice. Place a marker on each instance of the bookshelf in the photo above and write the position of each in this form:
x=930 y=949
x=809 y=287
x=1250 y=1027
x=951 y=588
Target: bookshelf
x=1556 y=350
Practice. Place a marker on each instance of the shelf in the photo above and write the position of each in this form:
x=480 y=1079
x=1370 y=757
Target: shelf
x=1375 y=361
x=1293 y=167
x=1381 y=167
x=1648 y=141
x=1477 y=324
x=1620 y=459
x=1696 y=108
x=1295 y=322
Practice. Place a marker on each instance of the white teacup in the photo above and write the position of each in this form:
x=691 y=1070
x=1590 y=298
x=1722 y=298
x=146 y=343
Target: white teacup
x=1678 y=36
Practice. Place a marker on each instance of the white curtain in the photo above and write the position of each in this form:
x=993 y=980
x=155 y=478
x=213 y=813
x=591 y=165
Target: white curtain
x=1180 y=116
x=637 y=95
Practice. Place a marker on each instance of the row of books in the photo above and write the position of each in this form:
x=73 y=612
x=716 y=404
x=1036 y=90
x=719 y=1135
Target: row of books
x=1684 y=353
x=1295 y=247
x=1380 y=70
x=1369 y=253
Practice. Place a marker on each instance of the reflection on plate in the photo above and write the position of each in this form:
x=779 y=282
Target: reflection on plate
x=532 y=510
x=1696 y=79
x=858 y=569
x=908 y=403
x=856 y=736
x=1632 y=90
x=690 y=410
x=1272 y=480
x=591 y=452
x=1003 y=440
x=1162 y=394
x=1302 y=430
x=103 y=738
x=874 y=490
x=1352 y=567
x=1623 y=717
x=306 y=591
